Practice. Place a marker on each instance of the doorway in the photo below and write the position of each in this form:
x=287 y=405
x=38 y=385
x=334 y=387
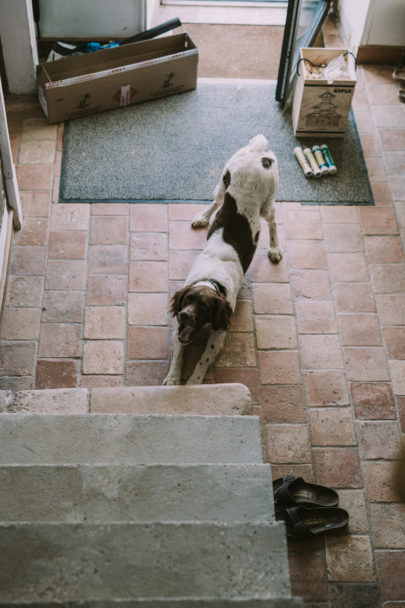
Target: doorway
x=256 y=40
x=303 y=23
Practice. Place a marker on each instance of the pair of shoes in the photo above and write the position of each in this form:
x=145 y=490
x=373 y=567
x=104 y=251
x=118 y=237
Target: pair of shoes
x=399 y=75
x=309 y=509
x=294 y=491
x=309 y=522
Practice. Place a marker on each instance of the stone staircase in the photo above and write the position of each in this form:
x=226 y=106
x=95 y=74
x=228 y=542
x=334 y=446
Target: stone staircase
x=137 y=497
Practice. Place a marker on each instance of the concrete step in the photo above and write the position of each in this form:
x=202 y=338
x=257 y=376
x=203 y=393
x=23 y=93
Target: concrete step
x=206 y=399
x=78 y=493
x=128 y=439
x=283 y=602
x=72 y=562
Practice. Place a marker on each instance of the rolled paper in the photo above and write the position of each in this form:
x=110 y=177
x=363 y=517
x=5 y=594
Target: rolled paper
x=311 y=159
x=320 y=160
x=299 y=154
x=328 y=159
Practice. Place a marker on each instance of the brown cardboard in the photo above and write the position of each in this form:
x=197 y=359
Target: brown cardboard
x=117 y=77
x=319 y=107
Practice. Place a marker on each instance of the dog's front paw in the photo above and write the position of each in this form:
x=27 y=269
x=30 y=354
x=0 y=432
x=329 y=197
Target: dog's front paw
x=200 y=221
x=274 y=254
x=171 y=380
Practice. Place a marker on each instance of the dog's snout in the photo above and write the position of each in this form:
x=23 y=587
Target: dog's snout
x=185 y=316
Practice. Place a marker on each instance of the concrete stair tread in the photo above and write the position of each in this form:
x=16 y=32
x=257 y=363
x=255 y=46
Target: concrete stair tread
x=178 y=602
x=97 y=562
x=152 y=497
x=206 y=399
x=106 y=493
x=128 y=439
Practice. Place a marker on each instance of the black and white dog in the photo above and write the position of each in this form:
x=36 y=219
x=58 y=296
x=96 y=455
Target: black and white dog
x=245 y=193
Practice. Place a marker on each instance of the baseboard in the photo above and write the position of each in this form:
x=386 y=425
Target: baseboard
x=387 y=55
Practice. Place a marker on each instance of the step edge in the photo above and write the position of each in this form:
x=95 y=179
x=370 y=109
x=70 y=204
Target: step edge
x=274 y=524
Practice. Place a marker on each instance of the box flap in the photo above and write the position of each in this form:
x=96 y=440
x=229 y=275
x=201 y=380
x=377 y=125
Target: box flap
x=89 y=63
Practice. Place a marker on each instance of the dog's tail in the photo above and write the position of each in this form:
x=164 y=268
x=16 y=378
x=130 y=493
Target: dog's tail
x=259 y=143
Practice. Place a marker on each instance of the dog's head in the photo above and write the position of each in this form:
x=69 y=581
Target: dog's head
x=197 y=305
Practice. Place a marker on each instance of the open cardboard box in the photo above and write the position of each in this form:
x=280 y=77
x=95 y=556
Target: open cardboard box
x=117 y=77
x=320 y=107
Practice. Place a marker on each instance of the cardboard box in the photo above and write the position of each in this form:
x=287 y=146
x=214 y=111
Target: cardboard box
x=116 y=77
x=319 y=107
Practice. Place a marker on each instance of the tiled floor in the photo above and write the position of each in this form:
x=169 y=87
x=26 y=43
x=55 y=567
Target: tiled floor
x=318 y=339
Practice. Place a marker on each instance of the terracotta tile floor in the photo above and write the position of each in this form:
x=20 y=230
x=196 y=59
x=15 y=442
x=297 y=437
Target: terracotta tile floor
x=318 y=339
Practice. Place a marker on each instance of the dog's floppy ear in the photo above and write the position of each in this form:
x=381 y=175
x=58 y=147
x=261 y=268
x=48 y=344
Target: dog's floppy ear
x=176 y=303
x=222 y=315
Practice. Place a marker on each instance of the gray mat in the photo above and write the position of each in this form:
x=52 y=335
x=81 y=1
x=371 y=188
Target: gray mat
x=174 y=149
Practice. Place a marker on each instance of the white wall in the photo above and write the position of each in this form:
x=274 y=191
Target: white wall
x=19 y=45
x=373 y=22
x=385 y=23
x=91 y=18
x=152 y=12
x=353 y=15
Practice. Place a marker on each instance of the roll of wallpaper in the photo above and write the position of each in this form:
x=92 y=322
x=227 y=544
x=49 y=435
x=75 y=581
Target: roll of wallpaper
x=311 y=159
x=299 y=154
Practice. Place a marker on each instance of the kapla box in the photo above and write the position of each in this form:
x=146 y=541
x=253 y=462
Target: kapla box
x=319 y=106
x=117 y=77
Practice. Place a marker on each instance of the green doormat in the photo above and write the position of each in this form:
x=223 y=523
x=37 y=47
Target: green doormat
x=174 y=149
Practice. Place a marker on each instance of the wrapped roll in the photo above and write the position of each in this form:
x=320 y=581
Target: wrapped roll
x=299 y=154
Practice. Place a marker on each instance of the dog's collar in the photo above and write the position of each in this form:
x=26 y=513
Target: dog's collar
x=220 y=289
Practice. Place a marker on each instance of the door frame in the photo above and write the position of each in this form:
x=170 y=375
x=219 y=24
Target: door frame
x=290 y=49
x=9 y=173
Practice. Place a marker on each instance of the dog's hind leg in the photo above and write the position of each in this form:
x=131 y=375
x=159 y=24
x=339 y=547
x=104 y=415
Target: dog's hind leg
x=214 y=346
x=176 y=365
x=268 y=213
x=202 y=219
